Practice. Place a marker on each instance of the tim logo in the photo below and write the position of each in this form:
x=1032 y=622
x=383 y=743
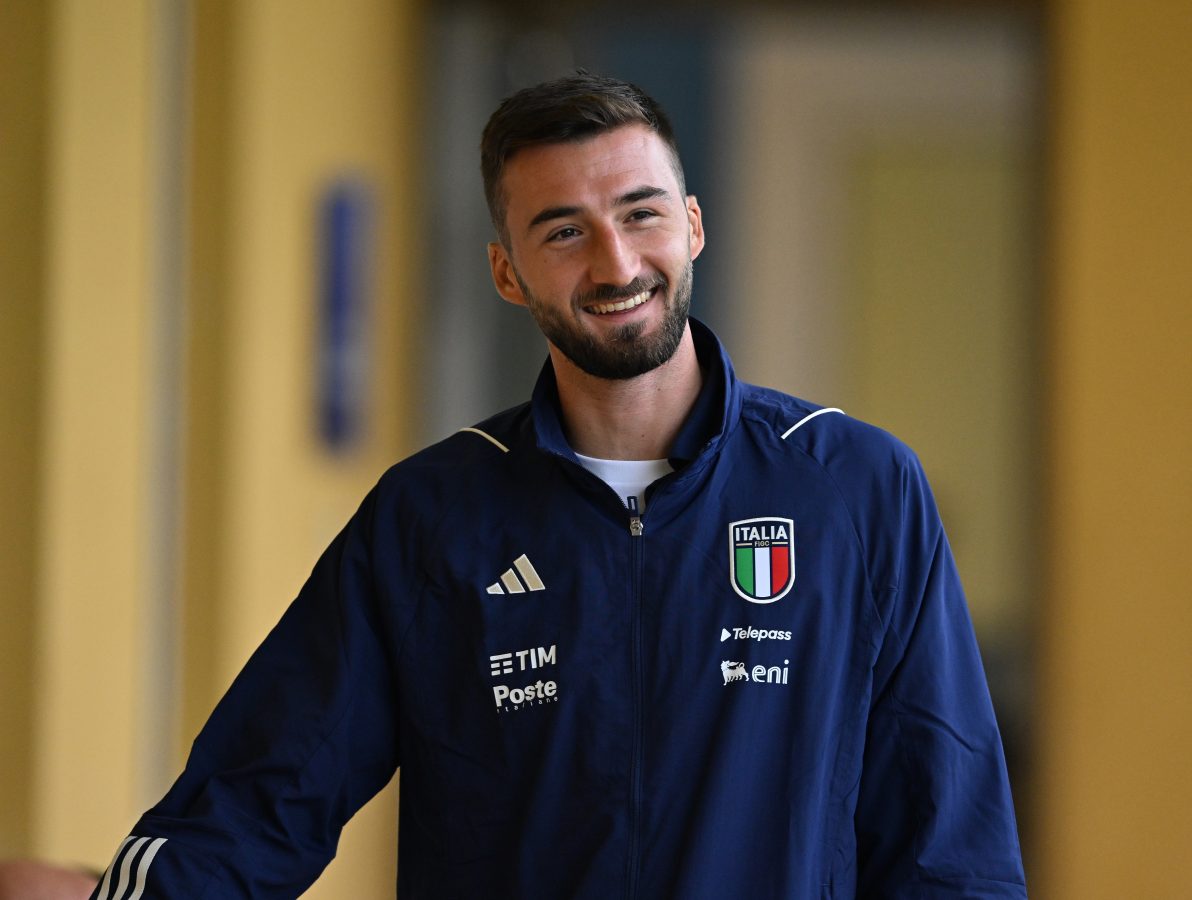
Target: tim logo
x=536 y=691
x=761 y=557
x=534 y=658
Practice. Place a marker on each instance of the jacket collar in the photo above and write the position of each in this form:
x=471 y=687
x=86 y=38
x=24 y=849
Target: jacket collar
x=712 y=418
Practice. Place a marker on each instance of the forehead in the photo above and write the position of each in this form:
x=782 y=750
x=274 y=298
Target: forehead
x=586 y=173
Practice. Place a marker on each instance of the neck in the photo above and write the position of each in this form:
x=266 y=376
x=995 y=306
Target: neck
x=634 y=418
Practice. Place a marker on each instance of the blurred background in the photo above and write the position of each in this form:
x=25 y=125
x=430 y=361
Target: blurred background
x=242 y=270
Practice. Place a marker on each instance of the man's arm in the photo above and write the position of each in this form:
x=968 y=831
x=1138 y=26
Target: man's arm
x=23 y=879
x=934 y=816
x=304 y=737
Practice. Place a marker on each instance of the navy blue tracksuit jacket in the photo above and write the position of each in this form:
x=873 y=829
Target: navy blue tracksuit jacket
x=764 y=686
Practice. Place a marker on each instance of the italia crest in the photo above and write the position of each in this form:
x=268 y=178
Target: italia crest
x=761 y=558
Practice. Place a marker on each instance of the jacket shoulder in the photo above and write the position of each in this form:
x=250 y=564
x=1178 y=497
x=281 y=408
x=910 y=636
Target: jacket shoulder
x=479 y=445
x=878 y=479
x=838 y=442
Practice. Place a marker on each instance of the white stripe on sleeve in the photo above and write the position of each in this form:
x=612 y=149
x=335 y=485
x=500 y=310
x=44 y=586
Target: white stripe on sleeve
x=143 y=868
x=125 y=854
x=126 y=867
x=107 y=876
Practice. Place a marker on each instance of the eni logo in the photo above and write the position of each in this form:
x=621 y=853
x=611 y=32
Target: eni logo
x=736 y=671
x=733 y=671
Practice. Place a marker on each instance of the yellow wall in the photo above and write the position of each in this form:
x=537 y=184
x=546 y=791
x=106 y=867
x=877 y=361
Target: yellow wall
x=90 y=672
x=24 y=57
x=284 y=98
x=939 y=350
x=1114 y=783
x=294 y=99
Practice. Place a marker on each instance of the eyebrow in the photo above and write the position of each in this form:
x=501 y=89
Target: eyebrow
x=637 y=195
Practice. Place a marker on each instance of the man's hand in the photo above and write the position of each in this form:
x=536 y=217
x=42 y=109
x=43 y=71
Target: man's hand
x=29 y=880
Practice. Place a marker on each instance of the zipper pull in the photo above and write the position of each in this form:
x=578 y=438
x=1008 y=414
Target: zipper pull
x=635 y=521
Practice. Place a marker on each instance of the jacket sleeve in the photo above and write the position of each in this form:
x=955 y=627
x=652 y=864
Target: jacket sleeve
x=304 y=737
x=934 y=817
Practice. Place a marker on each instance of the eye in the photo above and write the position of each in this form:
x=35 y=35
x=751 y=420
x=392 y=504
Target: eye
x=563 y=234
x=641 y=215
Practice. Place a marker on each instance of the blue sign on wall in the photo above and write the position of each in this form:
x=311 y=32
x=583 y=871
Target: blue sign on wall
x=345 y=245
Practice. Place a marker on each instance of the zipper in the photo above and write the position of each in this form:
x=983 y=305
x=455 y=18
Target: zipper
x=636 y=528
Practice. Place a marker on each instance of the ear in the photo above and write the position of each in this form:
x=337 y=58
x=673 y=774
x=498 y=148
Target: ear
x=504 y=278
x=695 y=224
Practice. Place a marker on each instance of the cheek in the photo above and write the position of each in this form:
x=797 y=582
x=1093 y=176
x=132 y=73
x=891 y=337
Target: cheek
x=553 y=275
x=675 y=247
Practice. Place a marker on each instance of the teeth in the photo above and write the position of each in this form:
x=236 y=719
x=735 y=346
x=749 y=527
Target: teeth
x=604 y=308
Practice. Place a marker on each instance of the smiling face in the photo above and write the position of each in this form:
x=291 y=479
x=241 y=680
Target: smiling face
x=599 y=250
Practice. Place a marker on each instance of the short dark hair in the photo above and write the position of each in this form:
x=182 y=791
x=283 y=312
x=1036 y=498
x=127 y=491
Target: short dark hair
x=571 y=108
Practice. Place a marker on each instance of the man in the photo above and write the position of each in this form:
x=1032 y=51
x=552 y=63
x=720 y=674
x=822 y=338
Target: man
x=656 y=633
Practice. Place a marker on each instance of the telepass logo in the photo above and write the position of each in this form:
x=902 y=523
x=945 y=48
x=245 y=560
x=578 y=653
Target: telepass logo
x=761 y=555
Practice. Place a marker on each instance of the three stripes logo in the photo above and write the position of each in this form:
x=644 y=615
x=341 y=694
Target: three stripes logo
x=761 y=556
x=518 y=578
x=129 y=869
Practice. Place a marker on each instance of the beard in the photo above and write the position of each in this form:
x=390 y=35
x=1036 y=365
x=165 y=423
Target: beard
x=627 y=352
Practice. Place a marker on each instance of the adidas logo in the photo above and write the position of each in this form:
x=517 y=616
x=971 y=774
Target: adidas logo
x=510 y=583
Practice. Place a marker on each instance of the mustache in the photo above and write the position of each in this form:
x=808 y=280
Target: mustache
x=610 y=293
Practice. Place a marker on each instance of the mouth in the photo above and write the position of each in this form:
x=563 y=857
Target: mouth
x=604 y=309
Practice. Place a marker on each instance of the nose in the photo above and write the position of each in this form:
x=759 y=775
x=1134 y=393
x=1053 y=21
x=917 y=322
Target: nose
x=613 y=260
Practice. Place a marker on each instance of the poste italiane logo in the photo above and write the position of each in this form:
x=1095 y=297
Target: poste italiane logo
x=761 y=558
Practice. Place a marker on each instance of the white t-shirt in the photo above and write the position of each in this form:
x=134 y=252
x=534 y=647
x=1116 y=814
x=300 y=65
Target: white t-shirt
x=628 y=477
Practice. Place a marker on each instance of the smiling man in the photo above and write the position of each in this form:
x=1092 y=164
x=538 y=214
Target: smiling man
x=613 y=262
x=597 y=241
x=655 y=633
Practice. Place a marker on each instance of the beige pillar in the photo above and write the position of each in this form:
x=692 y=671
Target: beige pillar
x=1115 y=720
x=290 y=98
x=91 y=672
x=286 y=97
x=24 y=55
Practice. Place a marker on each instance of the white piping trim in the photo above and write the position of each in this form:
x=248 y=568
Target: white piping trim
x=803 y=421
x=488 y=437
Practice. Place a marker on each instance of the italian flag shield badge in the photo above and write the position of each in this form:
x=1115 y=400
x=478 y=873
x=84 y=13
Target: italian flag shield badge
x=761 y=554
